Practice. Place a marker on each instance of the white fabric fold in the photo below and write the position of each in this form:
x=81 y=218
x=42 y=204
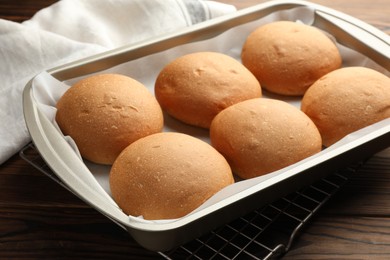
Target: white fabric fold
x=72 y=29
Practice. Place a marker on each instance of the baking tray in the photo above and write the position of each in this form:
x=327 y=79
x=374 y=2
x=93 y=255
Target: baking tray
x=165 y=235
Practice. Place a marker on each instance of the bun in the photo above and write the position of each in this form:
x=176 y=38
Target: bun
x=346 y=100
x=261 y=135
x=105 y=113
x=196 y=87
x=167 y=175
x=287 y=57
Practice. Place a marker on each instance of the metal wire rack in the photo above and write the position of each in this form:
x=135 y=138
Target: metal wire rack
x=265 y=233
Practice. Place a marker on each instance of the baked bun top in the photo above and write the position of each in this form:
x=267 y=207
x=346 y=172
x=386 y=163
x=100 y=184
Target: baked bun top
x=346 y=100
x=259 y=136
x=167 y=175
x=287 y=57
x=195 y=87
x=105 y=113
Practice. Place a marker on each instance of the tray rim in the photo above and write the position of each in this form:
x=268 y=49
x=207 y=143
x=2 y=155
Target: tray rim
x=35 y=121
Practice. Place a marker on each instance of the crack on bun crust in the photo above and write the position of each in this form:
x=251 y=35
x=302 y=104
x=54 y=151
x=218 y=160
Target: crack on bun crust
x=346 y=100
x=195 y=87
x=262 y=135
x=105 y=113
x=167 y=175
x=287 y=57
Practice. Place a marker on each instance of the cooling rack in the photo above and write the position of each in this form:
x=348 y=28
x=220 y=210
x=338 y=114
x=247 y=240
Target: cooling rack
x=265 y=233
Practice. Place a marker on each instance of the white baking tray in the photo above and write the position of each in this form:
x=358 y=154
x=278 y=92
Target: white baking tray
x=238 y=199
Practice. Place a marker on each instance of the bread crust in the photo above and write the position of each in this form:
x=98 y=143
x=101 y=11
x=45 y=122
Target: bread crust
x=287 y=57
x=167 y=175
x=195 y=87
x=105 y=113
x=262 y=135
x=346 y=100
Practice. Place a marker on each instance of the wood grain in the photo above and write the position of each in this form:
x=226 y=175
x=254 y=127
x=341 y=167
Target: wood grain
x=355 y=224
x=40 y=219
x=19 y=11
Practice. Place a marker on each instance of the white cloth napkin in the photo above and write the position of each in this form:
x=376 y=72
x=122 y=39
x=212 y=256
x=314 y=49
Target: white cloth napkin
x=72 y=29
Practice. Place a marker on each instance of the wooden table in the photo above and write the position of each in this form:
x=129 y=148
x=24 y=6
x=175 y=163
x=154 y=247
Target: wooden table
x=39 y=219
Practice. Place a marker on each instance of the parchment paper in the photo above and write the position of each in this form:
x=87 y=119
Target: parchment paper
x=47 y=90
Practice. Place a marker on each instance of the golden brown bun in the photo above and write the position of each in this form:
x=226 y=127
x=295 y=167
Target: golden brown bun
x=287 y=57
x=195 y=87
x=167 y=175
x=346 y=100
x=262 y=135
x=105 y=113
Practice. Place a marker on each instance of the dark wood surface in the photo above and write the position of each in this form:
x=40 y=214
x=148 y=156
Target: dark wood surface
x=41 y=220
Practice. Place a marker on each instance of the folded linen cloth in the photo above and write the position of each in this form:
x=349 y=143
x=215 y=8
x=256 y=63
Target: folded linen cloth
x=72 y=29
